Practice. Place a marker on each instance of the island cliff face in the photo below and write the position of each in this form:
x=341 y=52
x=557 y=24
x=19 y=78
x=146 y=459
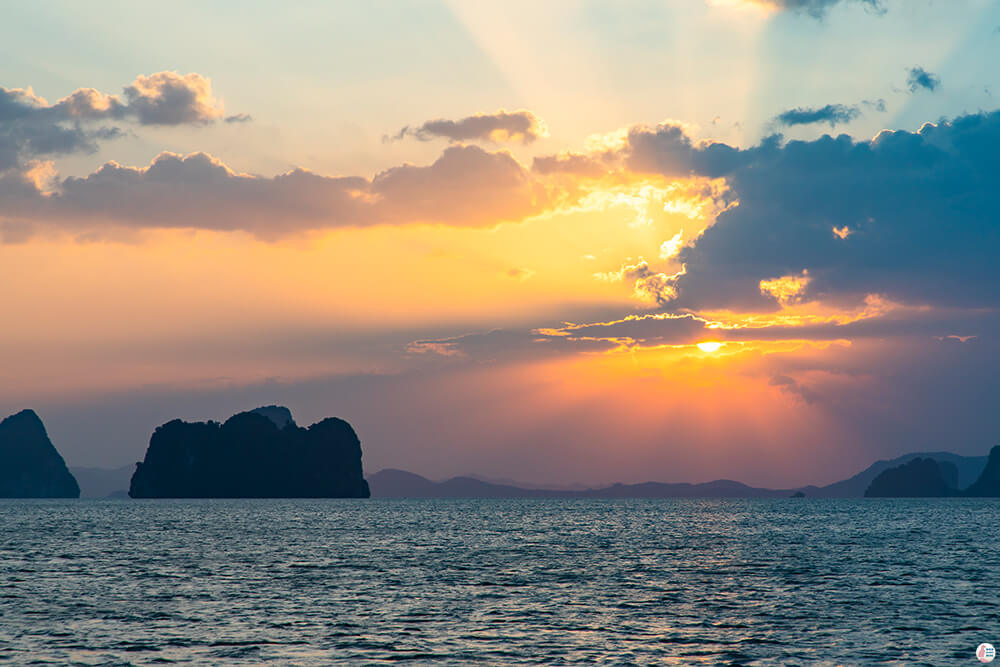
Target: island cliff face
x=249 y=456
x=988 y=484
x=927 y=478
x=30 y=466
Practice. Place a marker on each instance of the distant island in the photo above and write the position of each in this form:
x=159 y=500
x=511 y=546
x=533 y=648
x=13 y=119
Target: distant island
x=390 y=483
x=929 y=478
x=263 y=453
x=30 y=466
x=919 y=478
x=257 y=454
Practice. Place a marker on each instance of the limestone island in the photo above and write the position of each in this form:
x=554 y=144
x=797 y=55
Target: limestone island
x=30 y=466
x=257 y=454
x=929 y=478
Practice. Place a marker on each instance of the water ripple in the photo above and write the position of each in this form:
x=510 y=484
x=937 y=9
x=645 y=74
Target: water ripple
x=553 y=582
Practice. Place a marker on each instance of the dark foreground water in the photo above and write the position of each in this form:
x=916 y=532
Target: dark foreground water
x=495 y=582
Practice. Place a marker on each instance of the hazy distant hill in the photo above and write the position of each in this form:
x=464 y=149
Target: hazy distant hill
x=391 y=483
x=102 y=482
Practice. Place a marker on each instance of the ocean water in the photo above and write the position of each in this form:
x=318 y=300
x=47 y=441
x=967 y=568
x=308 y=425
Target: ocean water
x=495 y=582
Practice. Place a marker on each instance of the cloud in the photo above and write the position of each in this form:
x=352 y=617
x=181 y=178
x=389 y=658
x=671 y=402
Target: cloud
x=909 y=215
x=686 y=329
x=569 y=163
x=500 y=127
x=914 y=215
x=832 y=114
x=793 y=386
x=505 y=345
x=168 y=98
x=466 y=186
x=877 y=104
x=31 y=127
x=519 y=273
x=917 y=78
x=815 y=8
x=15 y=232
x=239 y=118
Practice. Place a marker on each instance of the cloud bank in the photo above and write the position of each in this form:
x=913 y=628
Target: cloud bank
x=466 y=186
x=910 y=215
x=32 y=128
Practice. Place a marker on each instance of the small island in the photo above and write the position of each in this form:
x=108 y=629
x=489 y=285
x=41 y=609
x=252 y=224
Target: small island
x=30 y=466
x=262 y=453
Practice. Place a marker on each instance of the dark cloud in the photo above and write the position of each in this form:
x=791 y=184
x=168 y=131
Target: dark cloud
x=239 y=118
x=909 y=215
x=31 y=128
x=818 y=8
x=169 y=98
x=793 y=386
x=917 y=78
x=915 y=214
x=832 y=114
x=667 y=149
x=500 y=127
x=659 y=329
x=466 y=186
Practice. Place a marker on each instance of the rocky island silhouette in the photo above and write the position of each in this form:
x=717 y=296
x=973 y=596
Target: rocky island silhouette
x=929 y=478
x=30 y=466
x=262 y=453
x=918 y=478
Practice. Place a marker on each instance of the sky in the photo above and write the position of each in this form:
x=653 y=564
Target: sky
x=560 y=242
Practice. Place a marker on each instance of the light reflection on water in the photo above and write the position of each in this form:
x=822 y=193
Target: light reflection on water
x=319 y=582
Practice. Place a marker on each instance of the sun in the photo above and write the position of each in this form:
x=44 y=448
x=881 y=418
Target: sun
x=709 y=346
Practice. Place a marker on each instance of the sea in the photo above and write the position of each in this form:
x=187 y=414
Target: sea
x=498 y=582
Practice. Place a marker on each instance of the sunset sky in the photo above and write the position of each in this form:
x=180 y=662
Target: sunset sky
x=492 y=235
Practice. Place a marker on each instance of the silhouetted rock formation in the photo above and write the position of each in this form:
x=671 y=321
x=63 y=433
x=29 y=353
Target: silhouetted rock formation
x=969 y=469
x=250 y=457
x=918 y=478
x=988 y=484
x=798 y=494
x=30 y=467
x=279 y=414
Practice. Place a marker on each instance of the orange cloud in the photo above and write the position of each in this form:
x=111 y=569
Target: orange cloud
x=466 y=186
